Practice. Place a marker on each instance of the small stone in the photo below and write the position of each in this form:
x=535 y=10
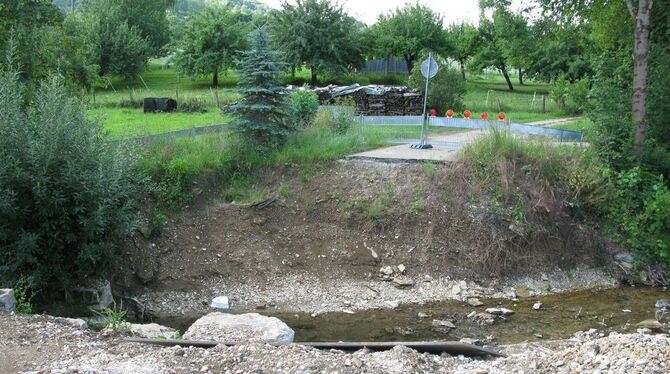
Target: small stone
x=392 y=304
x=423 y=315
x=471 y=341
x=474 y=302
x=456 y=289
x=537 y=306
x=442 y=323
x=220 y=302
x=662 y=304
x=472 y=314
x=626 y=310
x=500 y=311
x=558 y=364
x=401 y=268
x=261 y=306
x=402 y=282
x=386 y=270
x=539 y=336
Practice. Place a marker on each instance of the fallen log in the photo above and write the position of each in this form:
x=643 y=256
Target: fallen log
x=452 y=348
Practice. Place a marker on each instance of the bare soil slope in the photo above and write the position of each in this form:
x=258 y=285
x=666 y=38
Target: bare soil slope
x=349 y=219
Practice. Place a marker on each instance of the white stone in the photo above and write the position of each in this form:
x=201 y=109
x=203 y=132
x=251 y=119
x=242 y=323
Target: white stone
x=73 y=322
x=238 y=328
x=537 y=306
x=401 y=268
x=441 y=323
x=151 y=331
x=220 y=302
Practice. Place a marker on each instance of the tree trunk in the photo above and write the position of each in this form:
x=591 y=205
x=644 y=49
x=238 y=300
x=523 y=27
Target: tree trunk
x=642 y=17
x=509 y=82
x=462 y=68
x=520 y=76
x=215 y=78
x=410 y=63
x=315 y=76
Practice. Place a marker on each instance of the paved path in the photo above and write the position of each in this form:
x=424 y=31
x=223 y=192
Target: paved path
x=554 y=121
x=445 y=148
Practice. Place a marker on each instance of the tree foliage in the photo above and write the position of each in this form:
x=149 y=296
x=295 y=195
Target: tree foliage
x=210 y=41
x=261 y=114
x=461 y=39
x=319 y=35
x=446 y=89
x=41 y=44
x=65 y=194
x=408 y=32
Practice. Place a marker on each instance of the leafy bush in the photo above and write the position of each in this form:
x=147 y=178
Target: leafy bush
x=638 y=206
x=65 y=194
x=572 y=98
x=193 y=105
x=303 y=107
x=446 y=90
x=339 y=119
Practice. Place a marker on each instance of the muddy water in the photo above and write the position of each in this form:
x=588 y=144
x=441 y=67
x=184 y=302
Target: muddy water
x=560 y=317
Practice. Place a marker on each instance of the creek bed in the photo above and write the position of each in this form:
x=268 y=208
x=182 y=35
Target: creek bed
x=561 y=315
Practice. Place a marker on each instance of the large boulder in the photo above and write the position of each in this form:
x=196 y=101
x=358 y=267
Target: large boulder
x=151 y=331
x=7 y=300
x=238 y=328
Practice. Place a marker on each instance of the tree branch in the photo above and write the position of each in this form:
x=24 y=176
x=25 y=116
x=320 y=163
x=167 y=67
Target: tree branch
x=631 y=9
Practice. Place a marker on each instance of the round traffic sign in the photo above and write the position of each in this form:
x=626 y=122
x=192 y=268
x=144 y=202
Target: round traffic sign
x=429 y=68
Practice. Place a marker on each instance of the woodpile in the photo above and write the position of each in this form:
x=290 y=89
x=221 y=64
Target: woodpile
x=374 y=100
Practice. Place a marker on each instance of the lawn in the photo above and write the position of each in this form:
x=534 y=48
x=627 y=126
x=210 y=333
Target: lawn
x=128 y=123
x=581 y=125
x=119 y=102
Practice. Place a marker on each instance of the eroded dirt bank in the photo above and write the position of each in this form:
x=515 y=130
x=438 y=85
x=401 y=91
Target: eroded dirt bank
x=48 y=345
x=320 y=247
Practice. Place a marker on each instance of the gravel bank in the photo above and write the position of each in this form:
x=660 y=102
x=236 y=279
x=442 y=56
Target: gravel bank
x=49 y=345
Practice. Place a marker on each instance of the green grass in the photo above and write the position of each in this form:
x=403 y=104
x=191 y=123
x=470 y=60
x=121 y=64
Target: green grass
x=127 y=123
x=180 y=166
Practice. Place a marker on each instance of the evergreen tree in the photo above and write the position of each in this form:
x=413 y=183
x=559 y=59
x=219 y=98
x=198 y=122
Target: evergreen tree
x=261 y=113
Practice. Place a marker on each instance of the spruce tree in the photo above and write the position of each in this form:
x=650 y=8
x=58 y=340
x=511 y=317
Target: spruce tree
x=262 y=112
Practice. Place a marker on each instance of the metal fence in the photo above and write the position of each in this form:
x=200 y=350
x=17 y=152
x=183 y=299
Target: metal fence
x=476 y=124
x=387 y=65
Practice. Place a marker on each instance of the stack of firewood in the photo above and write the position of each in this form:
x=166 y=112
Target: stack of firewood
x=374 y=100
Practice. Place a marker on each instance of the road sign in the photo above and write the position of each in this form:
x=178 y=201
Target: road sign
x=429 y=67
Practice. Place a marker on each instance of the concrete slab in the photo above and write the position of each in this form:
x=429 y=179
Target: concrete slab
x=445 y=148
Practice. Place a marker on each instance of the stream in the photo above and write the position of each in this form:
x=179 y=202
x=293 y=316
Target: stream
x=560 y=316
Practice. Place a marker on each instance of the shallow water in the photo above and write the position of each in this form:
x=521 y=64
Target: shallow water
x=560 y=317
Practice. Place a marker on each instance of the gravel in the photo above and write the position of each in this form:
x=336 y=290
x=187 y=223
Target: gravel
x=43 y=344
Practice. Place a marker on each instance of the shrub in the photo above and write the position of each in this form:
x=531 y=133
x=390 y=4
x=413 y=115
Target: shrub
x=65 y=194
x=193 y=105
x=303 y=107
x=572 y=98
x=339 y=119
x=446 y=90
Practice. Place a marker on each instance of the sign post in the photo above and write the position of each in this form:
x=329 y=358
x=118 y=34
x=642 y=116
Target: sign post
x=429 y=69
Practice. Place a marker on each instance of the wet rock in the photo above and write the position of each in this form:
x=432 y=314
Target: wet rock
x=402 y=282
x=484 y=319
x=97 y=294
x=151 y=331
x=240 y=328
x=500 y=311
x=662 y=304
x=7 y=301
x=537 y=306
x=442 y=323
x=474 y=302
x=522 y=292
x=650 y=324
